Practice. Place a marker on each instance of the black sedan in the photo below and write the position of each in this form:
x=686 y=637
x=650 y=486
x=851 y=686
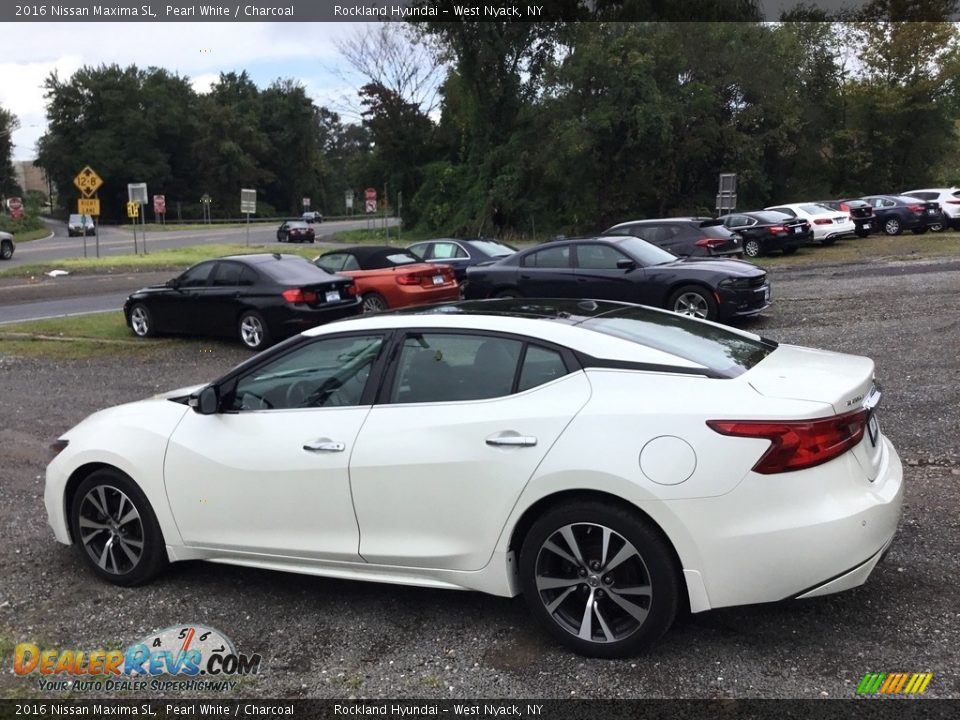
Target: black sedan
x=627 y=269
x=257 y=298
x=295 y=231
x=766 y=231
x=860 y=211
x=461 y=254
x=895 y=213
x=693 y=236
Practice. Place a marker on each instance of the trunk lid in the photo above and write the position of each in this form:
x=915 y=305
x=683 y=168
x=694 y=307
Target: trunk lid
x=845 y=382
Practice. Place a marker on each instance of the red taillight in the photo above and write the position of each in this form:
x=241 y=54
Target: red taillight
x=798 y=444
x=297 y=295
x=844 y=206
x=822 y=221
x=409 y=279
x=774 y=229
x=915 y=208
x=710 y=243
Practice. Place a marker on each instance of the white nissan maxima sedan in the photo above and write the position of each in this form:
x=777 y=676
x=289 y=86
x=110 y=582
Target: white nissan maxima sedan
x=612 y=462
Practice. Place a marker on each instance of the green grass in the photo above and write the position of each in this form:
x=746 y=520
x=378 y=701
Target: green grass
x=29 y=235
x=97 y=326
x=875 y=247
x=171 y=227
x=378 y=235
x=173 y=259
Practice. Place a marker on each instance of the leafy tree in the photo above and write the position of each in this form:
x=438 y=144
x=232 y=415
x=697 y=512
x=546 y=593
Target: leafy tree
x=8 y=125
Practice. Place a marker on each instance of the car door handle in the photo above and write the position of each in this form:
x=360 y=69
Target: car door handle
x=511 y=440
x=324 y=445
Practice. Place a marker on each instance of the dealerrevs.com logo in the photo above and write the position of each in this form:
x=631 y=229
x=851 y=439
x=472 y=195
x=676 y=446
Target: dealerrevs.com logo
x=894 y=683
x=180 y=657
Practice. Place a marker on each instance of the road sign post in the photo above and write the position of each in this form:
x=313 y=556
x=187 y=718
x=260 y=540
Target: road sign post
x=727 y=193
x=133 y=210
x=160 y=207
x=348 y=201
x=137 y=193
x=248 y=205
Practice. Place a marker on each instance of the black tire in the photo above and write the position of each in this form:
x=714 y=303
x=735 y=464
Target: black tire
x=693 y=301
x=862 y=233
x=892 y=226
x=121 y=497
x=508 y=293
x=752 y=248
x=828 y=242
x=252 y=330
x=919 y=231
x=141 y=321
x=374 y=302
x=6 y=250
x=279 y=237
x=938 y=227
x=621 y=623
x=789 y=250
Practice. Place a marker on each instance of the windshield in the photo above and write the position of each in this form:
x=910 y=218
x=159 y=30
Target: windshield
x=724 y=352
x=644 y=252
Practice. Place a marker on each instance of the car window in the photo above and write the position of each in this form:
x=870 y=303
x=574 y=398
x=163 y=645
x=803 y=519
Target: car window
x=196 y=276
x=329 y=372
x=447 y=251
x=553 y=257
x=645 y=253
x=424 y=250
x=226 y=274
x=248 y=276
x=888 y=203
x=336 y=262
x=540 y=365
x=598 y=257
x=619 y=230
x=650 y=233
x=437 y=367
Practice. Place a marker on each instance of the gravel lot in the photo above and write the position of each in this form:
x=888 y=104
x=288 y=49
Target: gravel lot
x=329 y=638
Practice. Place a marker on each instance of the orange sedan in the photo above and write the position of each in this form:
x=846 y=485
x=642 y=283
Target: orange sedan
x=389 y=277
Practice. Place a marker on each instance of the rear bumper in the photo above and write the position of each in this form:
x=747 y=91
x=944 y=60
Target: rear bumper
x=413 y=295
x=291 y=321
x=800 y=534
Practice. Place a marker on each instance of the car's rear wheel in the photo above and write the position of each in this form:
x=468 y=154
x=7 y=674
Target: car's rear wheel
x=374 y=302
x=141 y=321
x=6 y=250
x=892 y=226
x=115 y=530
x=694 y=301
x=751 y=248
x=938 y=227
x=599 y=578
x=253 y=330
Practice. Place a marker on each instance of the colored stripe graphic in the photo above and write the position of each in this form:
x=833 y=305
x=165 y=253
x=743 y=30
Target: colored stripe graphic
x=894 y=683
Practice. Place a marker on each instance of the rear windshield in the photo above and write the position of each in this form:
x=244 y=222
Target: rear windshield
x=297 y=224
x=772 y=217
x=716 y=231
x=491 y=248
x=906 y=198
x=815 y=209
x=644 y=252
x=722 y=351
x=294 y=270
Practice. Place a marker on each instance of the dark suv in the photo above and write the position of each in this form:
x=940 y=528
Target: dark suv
x=695 y=236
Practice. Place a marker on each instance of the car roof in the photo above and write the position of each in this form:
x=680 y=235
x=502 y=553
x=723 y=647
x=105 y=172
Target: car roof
x=363 y=252
x=551 y=320
x=260 y=258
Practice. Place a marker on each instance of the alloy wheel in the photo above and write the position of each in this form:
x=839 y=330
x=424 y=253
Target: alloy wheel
x=373 y=303
x=251 y=331
x=751 y=248
x=593 y=582
x=692 y=304
x=891 y=226
x=140 y=321
x=111 y=530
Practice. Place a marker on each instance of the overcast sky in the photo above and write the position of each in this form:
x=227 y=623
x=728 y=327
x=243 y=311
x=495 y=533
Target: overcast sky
x=201 y=51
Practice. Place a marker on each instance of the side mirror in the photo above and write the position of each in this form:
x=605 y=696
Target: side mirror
x=626 y=264
x=205 y=402
x=173 y=283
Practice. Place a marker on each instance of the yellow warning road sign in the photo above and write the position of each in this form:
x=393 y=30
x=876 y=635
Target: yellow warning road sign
x=87 y=181
x=133 y=209
x=88 y=206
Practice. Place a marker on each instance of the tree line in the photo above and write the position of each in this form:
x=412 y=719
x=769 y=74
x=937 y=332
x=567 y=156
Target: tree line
x=538 y=127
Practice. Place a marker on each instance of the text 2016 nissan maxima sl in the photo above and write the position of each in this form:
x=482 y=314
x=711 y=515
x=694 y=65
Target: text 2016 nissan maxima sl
x=611 y=462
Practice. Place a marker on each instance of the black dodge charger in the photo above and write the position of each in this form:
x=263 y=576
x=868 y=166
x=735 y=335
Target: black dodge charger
x=258 y=299
x=627 y=269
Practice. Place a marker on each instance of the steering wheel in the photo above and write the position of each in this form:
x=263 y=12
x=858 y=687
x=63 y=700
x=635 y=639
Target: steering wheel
x=297 y=393
x=261 y=403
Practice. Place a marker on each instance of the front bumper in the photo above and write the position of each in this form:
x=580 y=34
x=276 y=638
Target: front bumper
x=799 y=534
x=742 y=302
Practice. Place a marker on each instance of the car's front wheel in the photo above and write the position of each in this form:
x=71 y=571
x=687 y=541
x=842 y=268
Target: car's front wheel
x=694 y=301
x=599 y=578
x=253 y=330
x=115 y=530
x=141 y=321
x=6 y=250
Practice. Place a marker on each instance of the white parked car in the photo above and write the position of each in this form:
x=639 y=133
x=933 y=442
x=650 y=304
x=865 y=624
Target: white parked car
x=949 y=199
x=828 y=225
x=609 y=461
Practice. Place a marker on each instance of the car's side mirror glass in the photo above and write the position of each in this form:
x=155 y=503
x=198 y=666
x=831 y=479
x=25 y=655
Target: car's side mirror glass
x=625 y=264
x=205 y=402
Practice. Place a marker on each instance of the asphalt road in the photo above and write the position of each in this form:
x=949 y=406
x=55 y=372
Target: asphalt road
x=119 y=241
x=331 y=638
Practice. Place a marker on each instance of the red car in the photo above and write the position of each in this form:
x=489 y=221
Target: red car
x=389 y=277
